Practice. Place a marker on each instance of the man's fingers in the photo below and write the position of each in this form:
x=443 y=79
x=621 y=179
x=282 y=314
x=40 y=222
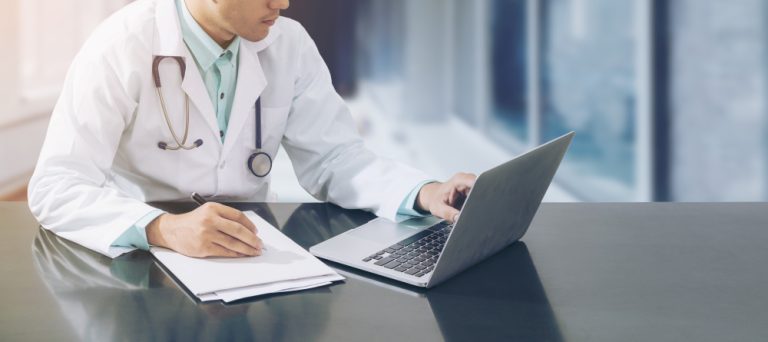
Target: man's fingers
x=235 y=245
x=446 y=212
x=239 y=232
x=463 y=182
x=451 y=200
x=233 y=214
x=216 y=250
x=456 y=198
x=464 y=190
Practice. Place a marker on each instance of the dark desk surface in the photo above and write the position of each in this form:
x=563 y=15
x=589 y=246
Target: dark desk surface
x=584 y=272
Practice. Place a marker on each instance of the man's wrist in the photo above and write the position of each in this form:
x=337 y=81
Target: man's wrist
x=424 y=197
x=155 y=235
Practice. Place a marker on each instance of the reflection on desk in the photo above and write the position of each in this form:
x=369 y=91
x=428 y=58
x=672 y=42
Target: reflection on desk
x=599 y=272
x=131 y=298
x=512 y=307
x=499 y=299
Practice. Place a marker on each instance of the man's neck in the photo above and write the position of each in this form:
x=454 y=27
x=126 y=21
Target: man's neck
x=204 y=18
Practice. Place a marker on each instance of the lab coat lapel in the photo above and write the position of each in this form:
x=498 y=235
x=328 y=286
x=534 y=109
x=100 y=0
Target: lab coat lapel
x=251 y=82
x=194 y=87
x=169 y=42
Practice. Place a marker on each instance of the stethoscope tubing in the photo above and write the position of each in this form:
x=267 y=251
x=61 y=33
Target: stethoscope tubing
x=182 y=143
x=258 y=123
x=259 y=163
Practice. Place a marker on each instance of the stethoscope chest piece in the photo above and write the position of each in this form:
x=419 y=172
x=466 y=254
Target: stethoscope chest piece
x=260 y=164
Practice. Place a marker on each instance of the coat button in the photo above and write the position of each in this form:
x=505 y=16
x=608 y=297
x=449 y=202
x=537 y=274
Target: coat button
x=222 y=164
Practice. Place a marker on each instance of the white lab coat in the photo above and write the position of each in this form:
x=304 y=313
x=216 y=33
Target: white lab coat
x=100 y=162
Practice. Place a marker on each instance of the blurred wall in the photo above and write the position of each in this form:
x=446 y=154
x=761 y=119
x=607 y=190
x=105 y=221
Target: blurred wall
x=40 y=38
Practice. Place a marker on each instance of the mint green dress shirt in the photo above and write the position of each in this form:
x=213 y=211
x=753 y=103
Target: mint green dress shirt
x=218 y=67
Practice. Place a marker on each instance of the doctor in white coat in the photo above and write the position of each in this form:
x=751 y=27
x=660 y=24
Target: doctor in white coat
x=109 y=146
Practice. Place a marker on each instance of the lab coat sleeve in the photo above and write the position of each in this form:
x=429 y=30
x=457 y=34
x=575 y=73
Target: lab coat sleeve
x=329 y=157
x=68 y=192
x=136 y=236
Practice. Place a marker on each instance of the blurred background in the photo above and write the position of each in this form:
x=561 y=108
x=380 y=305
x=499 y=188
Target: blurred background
x=667 y=97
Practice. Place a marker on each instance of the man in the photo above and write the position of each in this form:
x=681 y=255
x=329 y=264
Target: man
x=244 y=81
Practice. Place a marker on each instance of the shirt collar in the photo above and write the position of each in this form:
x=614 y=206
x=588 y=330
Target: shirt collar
x=204 y=49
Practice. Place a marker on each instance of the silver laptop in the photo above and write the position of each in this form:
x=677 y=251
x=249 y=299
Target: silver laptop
x=497 y=212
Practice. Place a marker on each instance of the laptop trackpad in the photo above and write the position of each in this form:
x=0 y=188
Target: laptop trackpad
x=382 y=230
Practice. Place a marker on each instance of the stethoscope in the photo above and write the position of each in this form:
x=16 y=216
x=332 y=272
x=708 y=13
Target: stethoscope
x=259 y=163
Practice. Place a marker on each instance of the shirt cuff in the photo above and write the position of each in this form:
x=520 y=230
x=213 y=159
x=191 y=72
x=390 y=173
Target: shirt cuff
x=407 y=208
x=136 y=235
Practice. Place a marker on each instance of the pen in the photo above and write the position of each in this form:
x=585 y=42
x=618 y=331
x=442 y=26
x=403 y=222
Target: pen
x=197 y=198
x=201 y=200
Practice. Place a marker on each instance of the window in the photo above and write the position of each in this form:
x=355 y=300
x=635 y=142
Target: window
x=588 y=84
x=668 y=98
x=509 y=89
x=718 y=100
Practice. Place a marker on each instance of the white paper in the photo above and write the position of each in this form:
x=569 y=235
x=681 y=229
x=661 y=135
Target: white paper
x=257 y=290
x=208 y=297
x=282 y=263
x=287 y=286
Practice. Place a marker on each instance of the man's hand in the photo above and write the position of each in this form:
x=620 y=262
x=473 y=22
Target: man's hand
x=444 y=199
x=212 y=230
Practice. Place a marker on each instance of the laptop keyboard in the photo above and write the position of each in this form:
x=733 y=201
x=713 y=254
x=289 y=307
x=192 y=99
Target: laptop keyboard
x=415 y=255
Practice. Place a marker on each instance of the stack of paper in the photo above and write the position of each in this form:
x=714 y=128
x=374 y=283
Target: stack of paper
x=283 y=266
